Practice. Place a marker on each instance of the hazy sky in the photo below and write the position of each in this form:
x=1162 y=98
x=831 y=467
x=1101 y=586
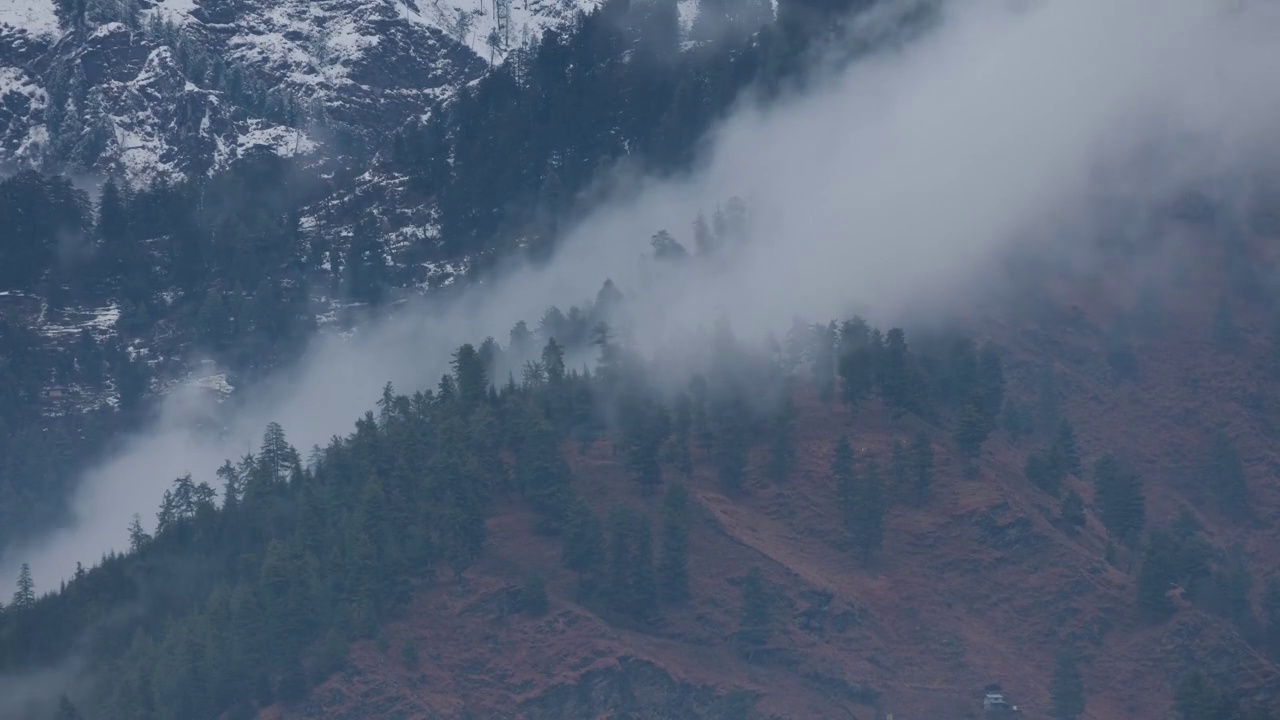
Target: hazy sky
x=888 y=187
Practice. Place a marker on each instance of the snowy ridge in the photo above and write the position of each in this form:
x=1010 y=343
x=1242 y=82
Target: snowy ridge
x=33 y=16
x=369 y=65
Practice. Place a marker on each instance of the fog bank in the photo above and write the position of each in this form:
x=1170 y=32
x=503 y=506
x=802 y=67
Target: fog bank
x=886 y=188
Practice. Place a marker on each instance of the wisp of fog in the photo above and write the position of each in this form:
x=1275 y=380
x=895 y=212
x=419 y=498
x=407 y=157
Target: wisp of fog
x=887 y=186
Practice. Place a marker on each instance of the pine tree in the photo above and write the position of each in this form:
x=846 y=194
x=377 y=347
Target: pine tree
x=922 y=466
x=899 y=468
x=67 y=711
x=822 y=352
x=533 y=596
x=673 y=569
x=897 y=384
x=471 y=377
x=971 y=431
x=1067 y=693
x=642 y=582
x=584 y=547
x=618 y=574
x=1044 y=470
x=1065 y=450
x=1226 y=476
x=868 y=529
x=757 y=614
x=1156 y=576
x=1073 y=510
x=138 y=537
x=782 y=445
x=1121 y=502
x=842 y=469
x=25 y=596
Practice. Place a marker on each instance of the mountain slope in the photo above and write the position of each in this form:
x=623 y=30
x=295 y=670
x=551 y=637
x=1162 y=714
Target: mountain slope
x=985 y=583
x=179 y=88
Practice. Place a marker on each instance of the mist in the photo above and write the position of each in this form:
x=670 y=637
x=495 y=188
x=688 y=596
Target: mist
x=889 y=187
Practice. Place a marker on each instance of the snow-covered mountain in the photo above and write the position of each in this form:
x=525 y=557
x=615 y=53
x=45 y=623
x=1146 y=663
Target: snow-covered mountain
x=150 y=88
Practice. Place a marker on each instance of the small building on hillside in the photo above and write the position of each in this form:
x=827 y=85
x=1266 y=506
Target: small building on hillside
x=996 y=705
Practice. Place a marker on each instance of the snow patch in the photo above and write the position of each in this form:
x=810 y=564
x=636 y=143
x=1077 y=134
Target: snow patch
x=34 y=16
x=177 y=12
x=99 y=321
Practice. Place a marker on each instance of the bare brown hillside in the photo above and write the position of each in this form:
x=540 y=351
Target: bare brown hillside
x=983 y=584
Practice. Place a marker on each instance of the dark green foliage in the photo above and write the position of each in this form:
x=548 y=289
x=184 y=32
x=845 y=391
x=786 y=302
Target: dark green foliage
x=584 y=548
x=673 y=567
x=1017 y=421
x=533 y=596
x=899 y=385
x=862 y=500
x=1225 y=473
x=1226 y=334
x=756 y=625
x=899 y=468
x=1175 y=557
x=645 y=426
x=1064 y=450
x=1121 y=502
x=1230 y=587
x=822 y=352
x=868 y=512
x=922 y=467
x=1044 y=471
x=67 y=711
x=971 y=430
x=842 y=470
x=859 y=356
x=1196 y=698
x=1073 y=510
x=781 y=441
x=1067 y=693
x=24 y=597
x=1271 y=613
x=631 y=587
x=731 y=440
x=409 y=654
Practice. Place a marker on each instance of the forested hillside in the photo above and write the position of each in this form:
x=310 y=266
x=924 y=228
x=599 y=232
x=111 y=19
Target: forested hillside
x=1056 y=489
x=243 y=262
x=771 y=504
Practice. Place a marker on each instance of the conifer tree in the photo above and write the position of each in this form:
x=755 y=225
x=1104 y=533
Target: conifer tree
x=673 y=569
x=897 y=384
x=1226 y=476
x=1121 y=502
x=1067 y=694
x=842 y=469
x=621 y=554
x=899 y=468
x=822 y=352
x=25 y=596
x=643 y=583
x=1073 y=510
x=1064 y=450
x=757 y=613
x=922 y=466
x=138 y=537
x=584 y=548
x=781 y=444
x=868 y=528
x=857 y=361
x=1156 y=576
x=67 y=711
x=471 y=377
x=971 y=431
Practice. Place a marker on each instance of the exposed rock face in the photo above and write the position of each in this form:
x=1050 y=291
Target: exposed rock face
x=178 y=88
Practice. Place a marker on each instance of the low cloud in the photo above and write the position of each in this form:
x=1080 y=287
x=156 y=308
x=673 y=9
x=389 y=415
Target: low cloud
x=888 y=187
